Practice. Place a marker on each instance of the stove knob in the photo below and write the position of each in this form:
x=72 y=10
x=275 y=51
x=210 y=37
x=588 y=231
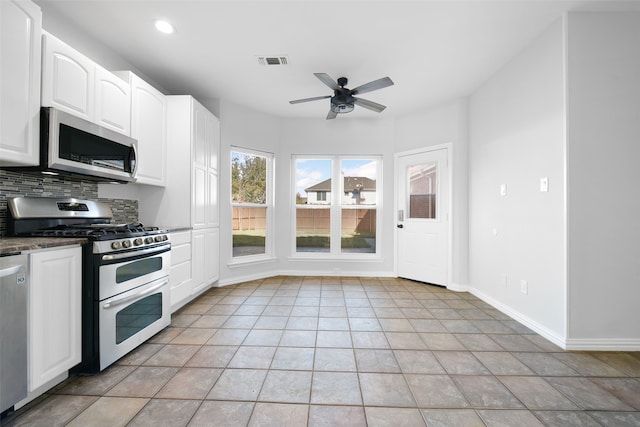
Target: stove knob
x=126 y=243
x=160 y=238
x=115 y=245
x=137 y=241
x=148 y=240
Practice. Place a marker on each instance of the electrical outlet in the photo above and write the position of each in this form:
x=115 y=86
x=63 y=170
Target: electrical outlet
x=524 y=287
x=544 y=184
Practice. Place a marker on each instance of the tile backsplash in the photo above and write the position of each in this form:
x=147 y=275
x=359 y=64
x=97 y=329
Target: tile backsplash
x=14 y=183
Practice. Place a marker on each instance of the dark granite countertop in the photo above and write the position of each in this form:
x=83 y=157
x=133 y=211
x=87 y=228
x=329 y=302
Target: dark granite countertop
x=19 y=244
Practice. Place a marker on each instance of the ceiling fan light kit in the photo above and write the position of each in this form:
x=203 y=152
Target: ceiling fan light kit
x=343 y=99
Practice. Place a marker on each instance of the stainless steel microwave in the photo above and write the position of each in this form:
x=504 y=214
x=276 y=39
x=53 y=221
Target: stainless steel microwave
x=71 y=145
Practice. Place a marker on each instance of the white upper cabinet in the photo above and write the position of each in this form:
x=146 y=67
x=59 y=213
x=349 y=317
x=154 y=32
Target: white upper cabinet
x=206 y=143
x=67 y=78
x=148 y=126
x=73 y=83
x=20 y=50
x=113 y=101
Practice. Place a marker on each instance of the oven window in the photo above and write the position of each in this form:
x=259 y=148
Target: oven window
x=138 y=269
x=137 y=316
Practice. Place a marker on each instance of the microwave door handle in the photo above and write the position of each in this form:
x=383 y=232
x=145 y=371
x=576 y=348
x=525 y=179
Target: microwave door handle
x=120 y=301
x=135 y=156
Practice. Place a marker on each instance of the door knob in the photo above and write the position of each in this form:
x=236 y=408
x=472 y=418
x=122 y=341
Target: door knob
x=400 y=226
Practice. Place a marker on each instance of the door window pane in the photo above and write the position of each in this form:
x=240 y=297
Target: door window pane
x=423 y=190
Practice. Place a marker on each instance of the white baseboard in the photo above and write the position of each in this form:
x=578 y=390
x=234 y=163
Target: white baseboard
x=456 y=287
x=525 y=320
x=247 y=278
x=340 y=273
x=263 y=275
x=603 y=344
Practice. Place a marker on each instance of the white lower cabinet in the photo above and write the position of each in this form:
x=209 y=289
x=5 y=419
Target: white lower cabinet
x=180 y=277
x=55 y=290
x=205 y=255
x=194 y=264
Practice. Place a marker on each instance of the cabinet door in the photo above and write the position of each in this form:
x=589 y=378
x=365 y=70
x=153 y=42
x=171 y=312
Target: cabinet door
x=180 y=276
x=213 y=144
x=200 y=141
x=148 y=121
x=113 y=101
x=55 y=292
x=198 y=259
x=212 y=252
x=206 y=137
x=20 y=29
x=67 y=79
x=205 y=258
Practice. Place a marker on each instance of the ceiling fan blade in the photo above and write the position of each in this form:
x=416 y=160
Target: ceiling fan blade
x=326 y=79
x=332 y=115
x=370 y=105
x=315 y=98
x=371 y=86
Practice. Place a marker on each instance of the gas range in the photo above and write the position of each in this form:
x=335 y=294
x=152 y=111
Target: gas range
x=125 y=283
x=108 y=237
x=70 y=217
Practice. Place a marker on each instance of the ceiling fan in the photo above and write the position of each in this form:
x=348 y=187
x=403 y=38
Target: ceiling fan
x=343 y=99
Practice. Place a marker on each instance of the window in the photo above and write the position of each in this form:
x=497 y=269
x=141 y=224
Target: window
x=336 y=209
x=251 y=202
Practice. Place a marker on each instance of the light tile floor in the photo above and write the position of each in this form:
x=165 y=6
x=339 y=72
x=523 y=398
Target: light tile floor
x=327 y=351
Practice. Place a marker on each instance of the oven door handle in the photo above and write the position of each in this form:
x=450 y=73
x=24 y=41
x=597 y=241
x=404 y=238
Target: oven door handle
x=130 y=254
x=120 y=301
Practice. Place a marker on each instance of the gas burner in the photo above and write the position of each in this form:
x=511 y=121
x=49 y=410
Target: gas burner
x=98 y=231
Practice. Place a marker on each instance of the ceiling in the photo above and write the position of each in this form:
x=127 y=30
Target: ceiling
x=434 y=51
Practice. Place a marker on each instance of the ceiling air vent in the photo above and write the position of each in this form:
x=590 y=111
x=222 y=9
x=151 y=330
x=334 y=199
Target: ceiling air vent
x=273 y=60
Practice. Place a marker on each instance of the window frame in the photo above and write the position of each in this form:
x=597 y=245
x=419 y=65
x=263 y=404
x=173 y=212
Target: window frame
x=269 y=204
x=336 y=207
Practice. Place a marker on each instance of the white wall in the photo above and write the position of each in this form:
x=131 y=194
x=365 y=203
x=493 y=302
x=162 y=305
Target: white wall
x=516 y=138
x=603 y=128
x=447 y=123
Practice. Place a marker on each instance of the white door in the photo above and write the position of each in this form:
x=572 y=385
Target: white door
x=422 y=216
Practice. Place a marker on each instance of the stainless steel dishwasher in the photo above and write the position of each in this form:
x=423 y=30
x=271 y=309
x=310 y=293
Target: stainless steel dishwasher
x=13 y=329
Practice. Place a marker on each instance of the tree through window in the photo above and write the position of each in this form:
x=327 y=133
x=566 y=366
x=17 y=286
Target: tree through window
x=250 y=201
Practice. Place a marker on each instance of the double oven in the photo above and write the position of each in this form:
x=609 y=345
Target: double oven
x=125 y=268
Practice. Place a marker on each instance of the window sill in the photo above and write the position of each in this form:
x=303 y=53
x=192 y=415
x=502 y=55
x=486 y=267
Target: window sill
x=333 y=258
x=246 y=260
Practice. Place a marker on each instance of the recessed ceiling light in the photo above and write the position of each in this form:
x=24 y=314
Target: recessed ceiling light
x=164 y=27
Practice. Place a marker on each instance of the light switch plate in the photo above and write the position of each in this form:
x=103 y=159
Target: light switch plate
x=544 y=184
x=503 y=189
